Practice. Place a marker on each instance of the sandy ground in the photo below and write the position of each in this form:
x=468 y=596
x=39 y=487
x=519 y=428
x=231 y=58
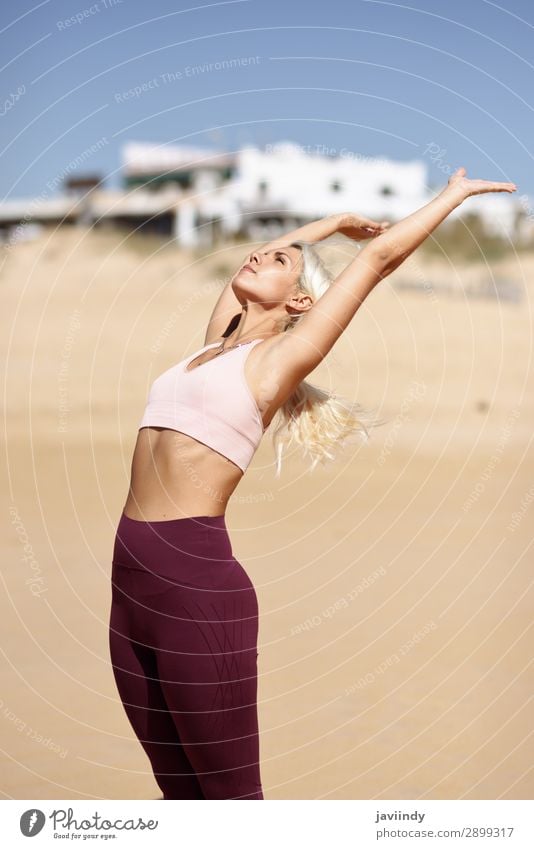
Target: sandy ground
x=394 y=586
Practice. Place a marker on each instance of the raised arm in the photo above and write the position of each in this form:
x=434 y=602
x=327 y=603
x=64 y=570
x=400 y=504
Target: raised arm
x=355 y=227
x=317 y=331
x=225 y=310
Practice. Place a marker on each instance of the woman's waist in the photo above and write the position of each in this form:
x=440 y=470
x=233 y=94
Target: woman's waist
x=172 y=546
x=193 y=554
x=178 y=469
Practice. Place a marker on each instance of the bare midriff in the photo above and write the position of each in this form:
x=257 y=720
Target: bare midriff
x=174 y=476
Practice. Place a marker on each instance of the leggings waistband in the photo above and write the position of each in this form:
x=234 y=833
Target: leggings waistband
x=167 y=546
x=215 y=521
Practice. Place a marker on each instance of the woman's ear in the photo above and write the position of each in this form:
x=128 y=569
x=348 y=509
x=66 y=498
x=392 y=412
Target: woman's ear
x=300 y=302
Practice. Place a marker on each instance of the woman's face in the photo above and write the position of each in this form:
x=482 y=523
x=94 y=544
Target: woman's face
x=268 y=276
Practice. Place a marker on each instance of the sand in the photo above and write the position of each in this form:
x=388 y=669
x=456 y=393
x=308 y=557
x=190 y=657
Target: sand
x=394 y=586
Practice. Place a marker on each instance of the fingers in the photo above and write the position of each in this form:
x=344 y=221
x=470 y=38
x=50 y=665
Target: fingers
x=377 y=225
x=482 y=186
x=498 y=187
x=460 y=172
x=504 y=186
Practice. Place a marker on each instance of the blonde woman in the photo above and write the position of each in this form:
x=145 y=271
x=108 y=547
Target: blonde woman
x=184 y=613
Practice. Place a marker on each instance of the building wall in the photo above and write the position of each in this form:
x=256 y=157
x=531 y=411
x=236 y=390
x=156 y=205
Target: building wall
x=314 y=186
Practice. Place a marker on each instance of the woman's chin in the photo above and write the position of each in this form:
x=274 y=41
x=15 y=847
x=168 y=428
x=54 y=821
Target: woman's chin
x=242 y=287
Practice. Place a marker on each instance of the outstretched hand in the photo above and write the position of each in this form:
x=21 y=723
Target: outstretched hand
x=359 y=228
x=460 y=185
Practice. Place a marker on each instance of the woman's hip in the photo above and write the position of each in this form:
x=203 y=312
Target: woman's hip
x=177 y=587
x=194 y=552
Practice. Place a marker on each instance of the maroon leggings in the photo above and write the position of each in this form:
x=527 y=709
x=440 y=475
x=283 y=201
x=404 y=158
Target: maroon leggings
x=183 y=636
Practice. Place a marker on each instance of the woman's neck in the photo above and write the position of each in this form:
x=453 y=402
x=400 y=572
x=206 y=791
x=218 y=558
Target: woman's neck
x=250 y=327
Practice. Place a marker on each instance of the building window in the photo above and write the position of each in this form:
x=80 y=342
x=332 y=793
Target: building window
x=263 y=186
x=387 y=190
x=335 y=186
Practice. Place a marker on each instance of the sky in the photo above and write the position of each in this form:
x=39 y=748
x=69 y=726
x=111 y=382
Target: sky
x=444 y=81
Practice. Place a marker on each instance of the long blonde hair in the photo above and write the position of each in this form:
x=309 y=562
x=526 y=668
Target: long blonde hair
x=312 y=419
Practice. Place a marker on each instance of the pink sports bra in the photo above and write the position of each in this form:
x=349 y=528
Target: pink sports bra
x=212 y=403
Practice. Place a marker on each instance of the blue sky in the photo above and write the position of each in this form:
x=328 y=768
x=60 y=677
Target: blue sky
x=369 y=76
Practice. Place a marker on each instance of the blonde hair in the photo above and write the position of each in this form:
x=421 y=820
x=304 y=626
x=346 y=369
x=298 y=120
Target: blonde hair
x=318 y=422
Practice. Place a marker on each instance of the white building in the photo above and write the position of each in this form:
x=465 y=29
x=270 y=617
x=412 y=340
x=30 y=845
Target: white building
x=199 y=195
x=262 y=193
x=314 y=185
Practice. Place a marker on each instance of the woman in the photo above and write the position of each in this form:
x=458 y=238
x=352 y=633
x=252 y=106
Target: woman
x=184 y=613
